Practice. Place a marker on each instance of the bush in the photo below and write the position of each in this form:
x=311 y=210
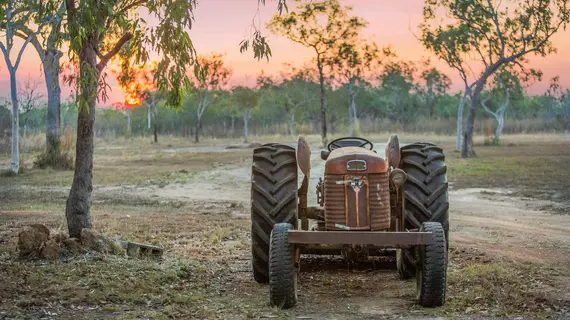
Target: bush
x=63 y=159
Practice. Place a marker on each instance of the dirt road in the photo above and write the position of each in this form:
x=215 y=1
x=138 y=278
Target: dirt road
x=487 y=219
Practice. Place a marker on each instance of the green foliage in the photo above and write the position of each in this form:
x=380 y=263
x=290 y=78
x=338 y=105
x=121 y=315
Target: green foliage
x=493 y=33
x=245 y=98
x=305 y=25
x=105 y=26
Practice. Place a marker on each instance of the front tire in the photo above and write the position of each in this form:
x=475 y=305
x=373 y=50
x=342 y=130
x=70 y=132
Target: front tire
x=432 y=272
x=273 y=200
x=282 y=271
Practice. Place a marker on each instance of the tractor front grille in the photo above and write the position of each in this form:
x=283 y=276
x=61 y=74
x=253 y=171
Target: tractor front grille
x=373 y=203
x=335 y=202
x=379 y=197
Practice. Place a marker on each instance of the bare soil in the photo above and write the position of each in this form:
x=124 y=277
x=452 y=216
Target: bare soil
x=509 y=255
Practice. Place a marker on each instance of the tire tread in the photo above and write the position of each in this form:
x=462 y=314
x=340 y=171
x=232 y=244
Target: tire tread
x=273 y=200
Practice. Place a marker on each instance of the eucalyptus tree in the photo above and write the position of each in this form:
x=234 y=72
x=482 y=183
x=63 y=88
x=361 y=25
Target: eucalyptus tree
x=496 y=34
x=321 y=26
x=13 y=14
x=352 y=64
x=246 y=99
x=212 y=75
x=98 y=30
x=506 y=85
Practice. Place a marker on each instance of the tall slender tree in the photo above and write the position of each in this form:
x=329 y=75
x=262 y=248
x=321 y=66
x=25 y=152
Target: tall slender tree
x=352 y=65
x=14 y=13
x=321 y=26
x=246 y=99
x=98 y=30
x=213 y=75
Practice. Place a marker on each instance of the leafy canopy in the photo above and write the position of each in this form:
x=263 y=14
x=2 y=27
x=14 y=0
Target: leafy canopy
x=491 y=32
x=108 y=25
x=319 y=25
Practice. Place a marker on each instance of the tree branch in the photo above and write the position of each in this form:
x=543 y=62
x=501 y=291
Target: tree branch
x=495 y=17
x=23 y=48
x=105 y=58
x=484 y=105
x=132 y=5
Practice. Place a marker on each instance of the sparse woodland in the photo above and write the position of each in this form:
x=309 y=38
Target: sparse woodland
x=171 y=165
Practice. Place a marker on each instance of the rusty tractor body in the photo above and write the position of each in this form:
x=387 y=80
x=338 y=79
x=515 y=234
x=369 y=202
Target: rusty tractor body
x=368 y=204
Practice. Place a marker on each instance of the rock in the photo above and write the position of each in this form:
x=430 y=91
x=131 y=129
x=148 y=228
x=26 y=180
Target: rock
x=31 y=239
x=50 y=250
x=59 y=237
x=91 y=239
x=71 y=246
x=40 y=228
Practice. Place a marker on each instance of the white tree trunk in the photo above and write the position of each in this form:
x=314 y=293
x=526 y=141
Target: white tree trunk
x=354 y=126
x=499 y=115
x=460 y=121
x=15 y=123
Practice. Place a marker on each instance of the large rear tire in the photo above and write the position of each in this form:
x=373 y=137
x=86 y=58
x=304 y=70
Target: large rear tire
x=273 y=200
x=426 y=196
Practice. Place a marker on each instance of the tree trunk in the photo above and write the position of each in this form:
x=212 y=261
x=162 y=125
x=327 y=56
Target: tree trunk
x=467 y=148
x=155 y=133
x=323 y=103
x=460 y=121
x=155 y=122
x=245 y=120
x=292 y=125
x=53 y=121
x=233 y=126
x=148 y=115
x=15 y=123
x=129 y=130
x=78 y=206
x=353 y=127
x=197 y=131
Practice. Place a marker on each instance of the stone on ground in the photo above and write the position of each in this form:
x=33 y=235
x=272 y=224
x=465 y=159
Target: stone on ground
x=31 y=239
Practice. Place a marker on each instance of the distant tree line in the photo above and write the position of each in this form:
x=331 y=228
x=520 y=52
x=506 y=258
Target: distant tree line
x=405 y=96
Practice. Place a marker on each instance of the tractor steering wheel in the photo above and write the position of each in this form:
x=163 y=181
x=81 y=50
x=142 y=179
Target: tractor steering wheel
x=349 y=142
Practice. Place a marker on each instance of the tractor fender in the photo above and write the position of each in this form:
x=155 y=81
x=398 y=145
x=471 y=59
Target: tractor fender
x=393 y=151
x=303 y=156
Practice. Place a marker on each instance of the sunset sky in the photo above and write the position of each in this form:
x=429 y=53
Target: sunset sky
x=221 y=24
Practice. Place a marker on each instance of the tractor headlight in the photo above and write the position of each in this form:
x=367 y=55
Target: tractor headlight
x=398 y=177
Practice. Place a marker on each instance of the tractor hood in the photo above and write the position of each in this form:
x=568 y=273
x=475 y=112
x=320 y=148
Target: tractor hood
x=354 y=160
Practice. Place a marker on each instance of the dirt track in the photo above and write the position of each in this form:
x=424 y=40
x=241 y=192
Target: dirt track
x=486 y=219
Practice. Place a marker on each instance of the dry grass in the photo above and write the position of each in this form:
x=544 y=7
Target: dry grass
x=483 y=285
x=206 y=270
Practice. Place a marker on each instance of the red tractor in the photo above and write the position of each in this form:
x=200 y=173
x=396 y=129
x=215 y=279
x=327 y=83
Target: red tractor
x=366 y=203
